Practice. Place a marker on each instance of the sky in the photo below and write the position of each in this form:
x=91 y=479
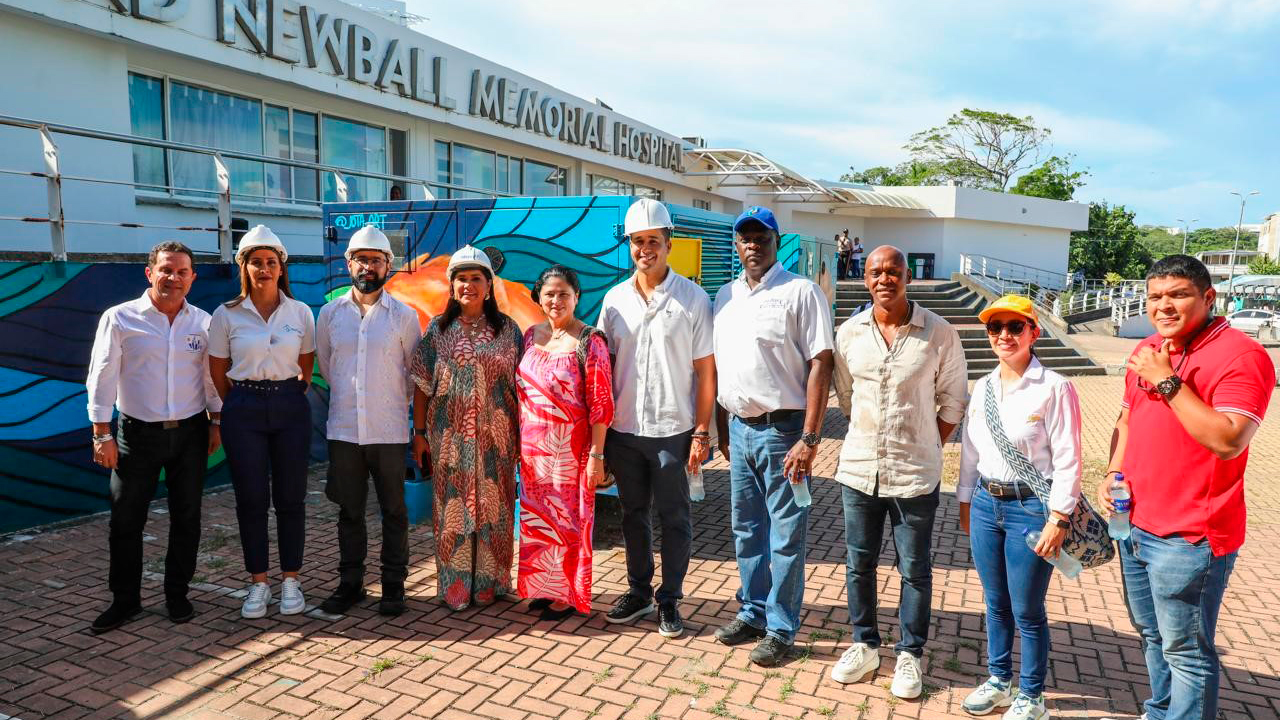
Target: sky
x=1169 y=104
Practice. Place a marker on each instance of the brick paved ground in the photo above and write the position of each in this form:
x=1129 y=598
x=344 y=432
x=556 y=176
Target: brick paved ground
x=499 y=663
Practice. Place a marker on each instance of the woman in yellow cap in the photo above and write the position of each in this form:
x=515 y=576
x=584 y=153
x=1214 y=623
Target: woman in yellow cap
x=1022 y=418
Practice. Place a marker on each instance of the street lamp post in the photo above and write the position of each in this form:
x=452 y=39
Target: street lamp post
x=1186 y=230
x=1231 y=280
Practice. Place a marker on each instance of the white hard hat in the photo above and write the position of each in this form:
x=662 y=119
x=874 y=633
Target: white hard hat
x=468 y=257
x=369 y=237
x=260 y=236
x=647 y=214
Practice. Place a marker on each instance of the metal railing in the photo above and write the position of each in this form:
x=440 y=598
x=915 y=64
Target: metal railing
x=1059 y=294
x=55 y=216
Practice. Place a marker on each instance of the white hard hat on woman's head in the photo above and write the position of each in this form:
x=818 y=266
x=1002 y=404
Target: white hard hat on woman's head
x=646 y=214
x=467 y=257
x=260 y=236
x=369 y=237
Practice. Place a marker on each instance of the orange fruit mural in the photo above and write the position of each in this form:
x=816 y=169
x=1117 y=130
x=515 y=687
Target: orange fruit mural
x=426 y=290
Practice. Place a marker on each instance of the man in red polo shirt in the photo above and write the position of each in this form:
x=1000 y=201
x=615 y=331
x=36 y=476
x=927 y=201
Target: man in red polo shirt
x=1195 y=393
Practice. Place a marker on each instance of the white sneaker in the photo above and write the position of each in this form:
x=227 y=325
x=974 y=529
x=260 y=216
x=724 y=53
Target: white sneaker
x=906 y=677
x=857 y=663
x=988 y=696
x=291 y=600
x=1026 y=708
x=256 y=602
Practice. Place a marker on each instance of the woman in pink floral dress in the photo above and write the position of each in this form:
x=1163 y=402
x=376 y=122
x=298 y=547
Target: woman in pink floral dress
x=566 y=405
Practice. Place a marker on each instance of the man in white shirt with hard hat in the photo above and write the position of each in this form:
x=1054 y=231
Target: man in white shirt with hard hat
x=658 y=324
x=150 y=361
x=364 y=343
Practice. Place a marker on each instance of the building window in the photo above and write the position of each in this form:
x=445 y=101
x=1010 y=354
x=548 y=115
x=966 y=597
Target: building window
x=488 y=173
x=223 y=121
x=604 y=185
x=355 y=146
x=146 y=119
x=701 y=204
x=218 y=120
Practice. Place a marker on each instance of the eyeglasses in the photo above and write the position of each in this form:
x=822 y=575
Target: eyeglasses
x=1015 y=327
x=373 y=263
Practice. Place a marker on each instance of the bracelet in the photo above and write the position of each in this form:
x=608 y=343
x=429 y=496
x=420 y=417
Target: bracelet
x=597 y=456
x=216 y=422
x=102 y=438
x=702 y=438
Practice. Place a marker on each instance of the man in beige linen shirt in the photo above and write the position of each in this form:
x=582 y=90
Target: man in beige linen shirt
x=900 y=376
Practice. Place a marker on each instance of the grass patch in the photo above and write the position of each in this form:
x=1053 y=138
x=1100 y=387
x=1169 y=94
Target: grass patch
x=603 y=675
x=673 y=690
x=382 y=664
x=968 y=645
x=721 y=710
x=215 y=539
x=788 y=687
x=817 y=635
x=703 y=688
x=826 y=711
x=217 y=562
x=952 y=664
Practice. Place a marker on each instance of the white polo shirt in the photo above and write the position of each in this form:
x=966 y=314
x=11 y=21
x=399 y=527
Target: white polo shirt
x=654 y=345
x=262 y=349
x=151 y=369
x=764 y=339
x=365 y=359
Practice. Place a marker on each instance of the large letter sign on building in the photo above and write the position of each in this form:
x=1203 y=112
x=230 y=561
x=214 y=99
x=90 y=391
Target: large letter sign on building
x=293 y=32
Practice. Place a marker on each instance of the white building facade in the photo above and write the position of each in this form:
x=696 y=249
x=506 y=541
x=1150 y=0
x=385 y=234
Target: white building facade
x=324 y=81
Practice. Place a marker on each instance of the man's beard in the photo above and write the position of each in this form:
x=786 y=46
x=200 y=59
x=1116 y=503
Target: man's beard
x=368 y=285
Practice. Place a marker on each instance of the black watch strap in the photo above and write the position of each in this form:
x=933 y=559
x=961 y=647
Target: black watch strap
x=1064 y=524
x=1169 y=386
x=420 y=431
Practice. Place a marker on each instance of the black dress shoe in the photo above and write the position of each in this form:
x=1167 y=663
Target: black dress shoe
x=628 y=608
x=343 y=598
x=118 y=614
x=770 y=651
x=180 y=609
x=557 y=615
x=738 y=632
x=392 y=602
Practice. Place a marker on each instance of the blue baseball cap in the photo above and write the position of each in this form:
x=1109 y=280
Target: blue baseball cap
x=760 y=214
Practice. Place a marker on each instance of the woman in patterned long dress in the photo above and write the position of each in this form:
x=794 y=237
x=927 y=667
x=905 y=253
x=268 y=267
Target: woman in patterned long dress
x=564 y=414
x=465 y=405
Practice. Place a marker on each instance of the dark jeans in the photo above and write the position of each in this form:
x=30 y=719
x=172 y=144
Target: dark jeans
x=651 y=473
x=1174 y=591
x=145 y=450
x=1014 y=583
x=350 y=467
x=912 y=523
x=266 y=435
x=842 y=266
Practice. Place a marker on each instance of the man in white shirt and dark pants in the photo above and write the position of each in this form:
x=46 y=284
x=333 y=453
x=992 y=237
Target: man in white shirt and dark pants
x=364 y=343
x=150 y=361
x=658 y=324
x=773 y=364
x=901 y=378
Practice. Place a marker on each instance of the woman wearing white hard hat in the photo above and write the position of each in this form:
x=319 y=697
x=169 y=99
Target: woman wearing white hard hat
x=465 y=416
x=261 y=348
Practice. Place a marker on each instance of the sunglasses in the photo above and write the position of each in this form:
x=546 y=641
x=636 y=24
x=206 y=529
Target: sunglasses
x=1015 y=327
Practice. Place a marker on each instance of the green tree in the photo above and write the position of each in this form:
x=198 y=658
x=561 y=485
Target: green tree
x=1264 y=265
x=1110 y=245
x=980 y=148
x=902 y=174
x=1054 y=180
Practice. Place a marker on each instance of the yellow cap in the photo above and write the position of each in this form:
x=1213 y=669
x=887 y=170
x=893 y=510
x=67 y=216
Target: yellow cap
x=1019 y=304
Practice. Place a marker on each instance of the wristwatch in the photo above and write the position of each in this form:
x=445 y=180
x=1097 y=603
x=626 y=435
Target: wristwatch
x=1064 y=524
x=1169 y=386
x=420 y=431
x=809 y=439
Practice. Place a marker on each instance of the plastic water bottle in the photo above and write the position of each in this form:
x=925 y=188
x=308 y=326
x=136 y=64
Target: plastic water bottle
x=1118 y=526
x=1069 y=566
x=697 y=492
x=801 y=492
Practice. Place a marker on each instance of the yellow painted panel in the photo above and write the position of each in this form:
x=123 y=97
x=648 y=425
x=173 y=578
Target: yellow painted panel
x=686 y=257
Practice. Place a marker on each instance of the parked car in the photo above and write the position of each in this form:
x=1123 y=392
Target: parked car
x=1249 y=321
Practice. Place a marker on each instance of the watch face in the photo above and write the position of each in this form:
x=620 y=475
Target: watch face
x=809 y=439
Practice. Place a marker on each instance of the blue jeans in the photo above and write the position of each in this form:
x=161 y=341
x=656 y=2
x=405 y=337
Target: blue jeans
x=912 y=523
x=1174 y=591
x=768 y=527
x=1014 y=583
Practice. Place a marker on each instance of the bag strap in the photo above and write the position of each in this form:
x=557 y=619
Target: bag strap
x=1021 y=465
x=584 y=343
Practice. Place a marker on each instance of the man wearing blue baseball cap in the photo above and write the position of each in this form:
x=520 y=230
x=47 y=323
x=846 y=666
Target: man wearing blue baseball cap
x=773 y=350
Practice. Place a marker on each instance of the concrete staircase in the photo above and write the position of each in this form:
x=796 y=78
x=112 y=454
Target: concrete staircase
x=960 y=306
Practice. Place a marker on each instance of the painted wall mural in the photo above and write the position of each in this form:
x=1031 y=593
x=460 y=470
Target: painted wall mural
x=49 y=312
